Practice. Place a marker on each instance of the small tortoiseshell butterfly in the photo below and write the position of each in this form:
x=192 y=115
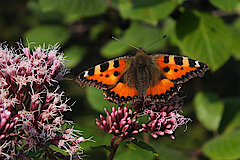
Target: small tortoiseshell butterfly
x=142 y=77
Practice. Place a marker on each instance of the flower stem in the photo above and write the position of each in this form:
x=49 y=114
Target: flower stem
x=114 y=148
x=112 y=141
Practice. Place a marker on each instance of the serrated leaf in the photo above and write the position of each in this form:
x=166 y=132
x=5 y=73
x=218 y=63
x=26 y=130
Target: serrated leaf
x=224 y=147
x=144 y=145
x=209 y=110
x=74 y=55
x=96 y=99
x=208 y=39
x=82 y=8
x=227 y=5
x=139 y=35
x=47 y=34
x=150 y=11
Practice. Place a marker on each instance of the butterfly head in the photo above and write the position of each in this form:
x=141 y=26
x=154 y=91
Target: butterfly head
x=141 y=58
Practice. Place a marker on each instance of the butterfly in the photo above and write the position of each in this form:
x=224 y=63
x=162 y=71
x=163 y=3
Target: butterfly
x=142 y=77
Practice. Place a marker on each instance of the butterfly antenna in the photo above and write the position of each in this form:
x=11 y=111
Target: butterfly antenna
x=125 y=43
x=155 y=41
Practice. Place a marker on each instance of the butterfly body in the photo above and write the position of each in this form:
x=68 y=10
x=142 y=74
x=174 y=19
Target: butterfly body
x=142 y=72
x=142 y=77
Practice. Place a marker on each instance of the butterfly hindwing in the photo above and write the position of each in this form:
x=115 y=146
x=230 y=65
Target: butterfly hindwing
x=122 y=93
x=179 y=69
x=162 y=91
x=105 y=75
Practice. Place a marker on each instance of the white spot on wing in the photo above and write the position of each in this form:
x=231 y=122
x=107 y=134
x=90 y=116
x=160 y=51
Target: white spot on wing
x=85 y=74
x=197 y=64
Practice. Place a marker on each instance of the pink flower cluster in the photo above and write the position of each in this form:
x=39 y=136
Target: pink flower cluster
x=121 y=123
x=31 y=105
x=163 y=119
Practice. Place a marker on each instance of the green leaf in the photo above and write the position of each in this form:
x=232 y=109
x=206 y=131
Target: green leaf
x=75 y=55
x=209 y=110
x=231 y=116
x=207 y=38
x=144 y=145
x=224 y=147
x=113 y=49
x=235 y=28
x=96 y=99
x=150 y=11
x=166 y=153
x=169 y=29
x=137 y=153
x=139 y=35
x=82 y=8
x=227 y=5
x=47 y=34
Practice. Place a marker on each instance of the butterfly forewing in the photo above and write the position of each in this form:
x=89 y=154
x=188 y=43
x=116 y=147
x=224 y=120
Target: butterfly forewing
x=179 y=69
x=104 y=76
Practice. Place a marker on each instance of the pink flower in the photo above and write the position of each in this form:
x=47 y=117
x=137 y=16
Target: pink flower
x=121 y=123
x=32 y=106
x=164 y=118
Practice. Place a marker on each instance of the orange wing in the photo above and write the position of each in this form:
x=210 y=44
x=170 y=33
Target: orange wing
x=105 y=75
x=179 y=69
x=162 y=91
x=122 y=94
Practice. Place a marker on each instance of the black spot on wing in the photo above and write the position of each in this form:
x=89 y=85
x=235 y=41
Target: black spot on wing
x=116 y=73
x=104 y=67
x=166 y=69
x=116 y=64
x=91 y=72
x=81 y=76
x=202 y=65
x=178 y=60
x=175 y=70
x=166 y=59
x=191 y=62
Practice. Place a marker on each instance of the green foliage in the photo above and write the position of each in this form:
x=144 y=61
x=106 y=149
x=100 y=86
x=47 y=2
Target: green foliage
x=209 y=109
x=47 y=34
x=81 y=8
x=236 y=38
x=166 y=153
x=231 y=116
x=144 y=145
x=134 y=152
x=96 y=99
x=133 y=34
x=224 y=147
x=75 y=55
x=203 y=39
x=227 y=5
x=147 y=11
